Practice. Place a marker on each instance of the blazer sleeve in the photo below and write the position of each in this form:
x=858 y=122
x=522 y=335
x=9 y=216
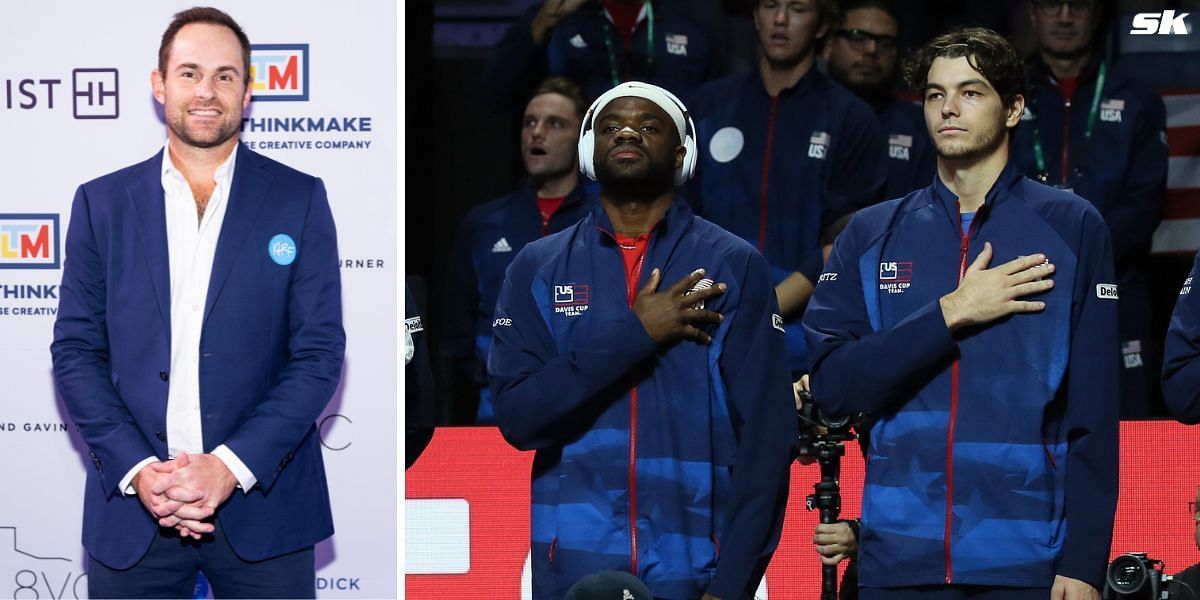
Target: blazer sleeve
x=266 y=440
x=80 y=355
x=1181 y=369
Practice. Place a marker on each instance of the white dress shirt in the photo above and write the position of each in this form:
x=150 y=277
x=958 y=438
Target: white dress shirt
x=192 y=245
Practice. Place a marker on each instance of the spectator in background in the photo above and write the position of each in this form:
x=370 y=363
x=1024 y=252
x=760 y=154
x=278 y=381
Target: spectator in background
x=863 y=54
x=599 y=44
x=784 y=152
x=1094 y=130
x=551 y=199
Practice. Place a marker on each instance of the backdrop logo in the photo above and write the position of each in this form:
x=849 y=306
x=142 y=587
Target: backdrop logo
x=24 y=574
x=29 y=241
x=95 y=93
x=279 y=72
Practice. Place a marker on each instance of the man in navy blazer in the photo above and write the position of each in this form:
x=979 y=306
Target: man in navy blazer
x=199 y=336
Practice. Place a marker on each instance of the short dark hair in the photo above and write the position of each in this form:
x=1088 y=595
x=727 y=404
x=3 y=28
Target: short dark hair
x=845 y=6
x=986 y=51
x=210 y=16
x=563 y=87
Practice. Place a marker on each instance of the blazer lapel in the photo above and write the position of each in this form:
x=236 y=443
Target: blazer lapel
x=247 y=195
x=149 y=206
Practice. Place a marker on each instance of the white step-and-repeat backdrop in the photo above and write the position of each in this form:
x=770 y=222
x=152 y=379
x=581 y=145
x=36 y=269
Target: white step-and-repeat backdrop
x=76 y=103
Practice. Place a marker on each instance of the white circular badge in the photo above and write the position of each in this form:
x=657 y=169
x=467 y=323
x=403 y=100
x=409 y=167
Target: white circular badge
x=726 y=144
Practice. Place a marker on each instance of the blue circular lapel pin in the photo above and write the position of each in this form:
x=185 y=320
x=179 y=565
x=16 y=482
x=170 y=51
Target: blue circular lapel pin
x=282 y=249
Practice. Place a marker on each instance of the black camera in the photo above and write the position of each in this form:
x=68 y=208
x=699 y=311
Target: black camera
x=1136 y=576
x=818 y=430
x=821 y=438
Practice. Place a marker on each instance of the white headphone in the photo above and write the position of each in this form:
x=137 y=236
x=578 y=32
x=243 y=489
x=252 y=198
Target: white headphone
x=665 y=100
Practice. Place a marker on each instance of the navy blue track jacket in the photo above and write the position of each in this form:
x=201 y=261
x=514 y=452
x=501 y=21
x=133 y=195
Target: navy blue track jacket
x=775 y=171
x=490 y=237
x=994 y=457
x=671 y=463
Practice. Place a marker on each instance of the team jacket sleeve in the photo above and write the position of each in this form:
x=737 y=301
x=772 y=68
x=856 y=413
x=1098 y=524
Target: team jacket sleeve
x=80 y=354
x=754 y=362
x=1181 y=369
x=516 y=65
x=1092 y=413
x=1137 y=212
x=316 y=347
x=854 y=367
x=545 y=397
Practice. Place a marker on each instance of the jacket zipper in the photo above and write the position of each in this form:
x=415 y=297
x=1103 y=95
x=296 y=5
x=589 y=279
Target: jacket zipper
x=962 y=272
x=762 y=195
x=633 y=402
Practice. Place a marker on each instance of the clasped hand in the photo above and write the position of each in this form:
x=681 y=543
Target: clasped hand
x=185 y=492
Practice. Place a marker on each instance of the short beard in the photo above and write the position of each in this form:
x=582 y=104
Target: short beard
x=656 y=180
x=987 y=146
x=224 y=134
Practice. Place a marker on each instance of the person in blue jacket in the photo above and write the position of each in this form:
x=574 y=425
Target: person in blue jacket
x=971 y=319
x=600 y=43
x=863 y=55
x=551 y=199
x=1181 y=370
x=1094 y=130
x=640 y=353
x=784 y=152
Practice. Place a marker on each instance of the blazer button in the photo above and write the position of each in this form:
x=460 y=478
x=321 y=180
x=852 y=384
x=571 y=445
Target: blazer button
x=162 y=375
x=162 y=437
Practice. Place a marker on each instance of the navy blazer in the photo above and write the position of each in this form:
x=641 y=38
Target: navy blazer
x=271 y=352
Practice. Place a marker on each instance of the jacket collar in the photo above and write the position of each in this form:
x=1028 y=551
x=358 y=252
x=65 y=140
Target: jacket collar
x=246 y=199
x=667 y=231
x=999 y=192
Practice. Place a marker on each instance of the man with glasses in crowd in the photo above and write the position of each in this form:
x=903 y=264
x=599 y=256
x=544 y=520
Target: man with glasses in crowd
x=863 y=56
x=785 y=152
x=1093 y=130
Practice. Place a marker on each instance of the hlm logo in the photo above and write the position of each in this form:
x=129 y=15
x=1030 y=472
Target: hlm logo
x=279 y=72
x=29 y=241
x=1159 y=23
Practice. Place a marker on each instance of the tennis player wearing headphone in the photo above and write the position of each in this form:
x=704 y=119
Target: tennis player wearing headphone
x=641 y=354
